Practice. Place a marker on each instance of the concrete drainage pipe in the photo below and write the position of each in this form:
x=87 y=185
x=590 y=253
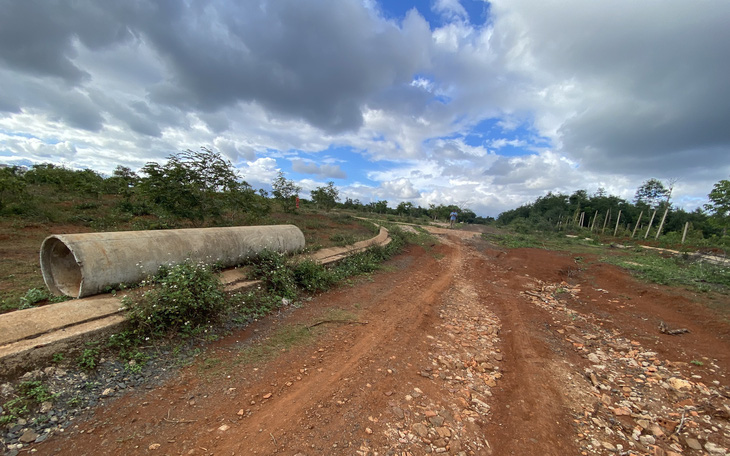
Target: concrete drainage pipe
x=79 y=265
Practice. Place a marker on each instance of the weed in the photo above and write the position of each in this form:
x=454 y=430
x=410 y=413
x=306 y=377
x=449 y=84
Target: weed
x=342 y=240
x=696 y=362
x=33 y=297
x=30 y=394
x=75 y=401
x=58 y=358
x=89 y=359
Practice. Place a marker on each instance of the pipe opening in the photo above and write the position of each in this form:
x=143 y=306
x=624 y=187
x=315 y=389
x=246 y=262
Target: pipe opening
x=61 y=271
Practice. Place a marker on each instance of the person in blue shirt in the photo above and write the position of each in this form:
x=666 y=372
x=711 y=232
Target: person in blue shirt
x=453 y=218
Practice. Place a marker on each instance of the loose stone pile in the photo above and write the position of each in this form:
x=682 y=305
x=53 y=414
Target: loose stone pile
x=642 y=404
x=464 y=368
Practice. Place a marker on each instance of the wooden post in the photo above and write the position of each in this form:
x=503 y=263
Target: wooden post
x=651 y=220
x=618 y=219
x=661 y=225
x=605 y=221
x=595 y=217
x=637 y=224
x=684 y=235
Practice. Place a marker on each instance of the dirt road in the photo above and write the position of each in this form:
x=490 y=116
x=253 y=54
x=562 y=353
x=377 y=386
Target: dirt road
x=457 y=348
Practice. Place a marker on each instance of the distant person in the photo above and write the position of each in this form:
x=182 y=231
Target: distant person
x=453 y=218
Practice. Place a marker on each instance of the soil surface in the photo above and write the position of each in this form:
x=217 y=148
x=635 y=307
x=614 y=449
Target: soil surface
x=457 y=348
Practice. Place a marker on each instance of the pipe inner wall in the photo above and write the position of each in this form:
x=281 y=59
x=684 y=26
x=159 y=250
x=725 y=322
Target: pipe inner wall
x=79 y=265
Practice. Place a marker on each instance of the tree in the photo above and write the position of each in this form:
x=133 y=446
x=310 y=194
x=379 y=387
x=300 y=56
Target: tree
x=12 y=186
x=285 y=191
x=719 y=205
x=326 y=197
x=194 y=185
x=651 y=193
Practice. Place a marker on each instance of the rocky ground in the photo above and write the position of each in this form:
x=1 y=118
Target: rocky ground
x=457 y=348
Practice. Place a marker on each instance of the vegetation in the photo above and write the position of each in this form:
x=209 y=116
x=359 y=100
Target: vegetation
x=29 y=395
x=597 y=214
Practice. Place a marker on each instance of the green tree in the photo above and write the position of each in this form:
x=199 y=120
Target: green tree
x=651 y=193
x=719 y=205
x=12 y=186
x=326 y=197
x=285 y=191
x=194 y=185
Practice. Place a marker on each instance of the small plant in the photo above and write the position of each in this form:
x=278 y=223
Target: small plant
x=89 y=359
x=57 y=358
x=30 y=394
x=33 y=297
x=697 y=362
x=75 y=401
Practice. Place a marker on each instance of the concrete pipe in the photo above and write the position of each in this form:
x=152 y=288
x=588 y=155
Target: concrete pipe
x=79 y=265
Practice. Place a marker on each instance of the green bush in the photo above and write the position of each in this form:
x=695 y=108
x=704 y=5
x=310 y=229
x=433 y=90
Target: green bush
x=272 y=269
x=181 y=298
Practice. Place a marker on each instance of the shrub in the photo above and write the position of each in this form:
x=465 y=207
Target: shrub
x=179 y=298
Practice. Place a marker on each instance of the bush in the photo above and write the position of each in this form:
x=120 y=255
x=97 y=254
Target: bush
x=272 y=268
x=182 y=298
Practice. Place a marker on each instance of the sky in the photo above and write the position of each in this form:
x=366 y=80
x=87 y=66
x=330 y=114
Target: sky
x=483 y=104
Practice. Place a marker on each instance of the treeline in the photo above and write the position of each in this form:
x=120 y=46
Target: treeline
x=198 y=188
x=640 y=219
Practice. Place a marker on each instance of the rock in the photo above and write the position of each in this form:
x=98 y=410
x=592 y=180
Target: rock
x=224 y=428
x=46 y=407
x=714 y=449
x=608 y=445
x=30 y=435
x=647 y=439
x=107 y=392
x=592 y=357
x=693 y=443
x=678 y=383
x=155 y=446
x=267 y=395
x=443 y=432
x=621 y=411
x=421 y=430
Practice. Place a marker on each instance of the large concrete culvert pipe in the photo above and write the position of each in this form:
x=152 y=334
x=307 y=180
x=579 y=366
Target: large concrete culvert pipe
x=79 y=265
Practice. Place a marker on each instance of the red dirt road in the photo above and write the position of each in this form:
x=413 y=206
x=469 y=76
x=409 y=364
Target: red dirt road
x=459 y=348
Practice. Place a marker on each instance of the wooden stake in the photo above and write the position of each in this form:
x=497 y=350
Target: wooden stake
x=618 y=219
x=661 y=225
x=595 y=217
x=637 y=225
x=651 y=221
x=605 y=221
x=684 y=235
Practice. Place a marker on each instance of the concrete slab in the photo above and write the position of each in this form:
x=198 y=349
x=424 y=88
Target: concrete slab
x=28 y=323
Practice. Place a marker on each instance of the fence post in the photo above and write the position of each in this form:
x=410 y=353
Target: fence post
x=637 y=224
x=650 y=223
x=618 y=219
x=661 y=225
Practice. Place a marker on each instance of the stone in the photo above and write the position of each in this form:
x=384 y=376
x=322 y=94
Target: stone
x=693 y=443
x=715 y=449
x=678 y=383
x=421 y=430
x=28 y=436
x=592 y=357
x=154 y=446
x=224 y=428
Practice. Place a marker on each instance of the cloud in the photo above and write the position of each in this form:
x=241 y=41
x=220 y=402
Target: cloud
x=324 y=171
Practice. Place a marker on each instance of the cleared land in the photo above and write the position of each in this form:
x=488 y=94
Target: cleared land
x=459 y=347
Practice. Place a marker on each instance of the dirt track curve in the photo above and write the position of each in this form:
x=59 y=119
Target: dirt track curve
x=457 y=348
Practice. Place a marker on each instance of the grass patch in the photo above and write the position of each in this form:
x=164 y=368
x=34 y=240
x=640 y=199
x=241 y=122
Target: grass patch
x=282 y=339
x=675 y=270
